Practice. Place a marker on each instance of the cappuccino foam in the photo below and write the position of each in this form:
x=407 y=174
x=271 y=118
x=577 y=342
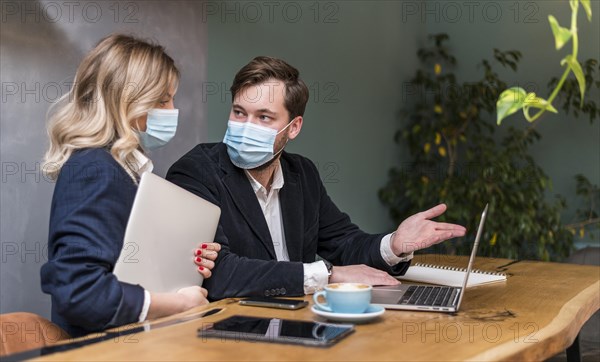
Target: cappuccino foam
x=348 y=286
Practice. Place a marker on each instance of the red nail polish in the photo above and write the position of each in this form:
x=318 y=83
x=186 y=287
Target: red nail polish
x=198 y=259
x=204 y=246
x=198 y=252
x=201 y=268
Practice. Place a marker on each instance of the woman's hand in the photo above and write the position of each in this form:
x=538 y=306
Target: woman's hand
x=165 y=304
x=205 y=256
x=193 y=297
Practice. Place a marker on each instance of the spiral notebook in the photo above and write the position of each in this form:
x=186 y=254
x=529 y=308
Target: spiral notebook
x=450 y=276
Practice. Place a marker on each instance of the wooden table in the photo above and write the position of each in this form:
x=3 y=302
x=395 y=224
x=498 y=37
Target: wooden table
x=534 y=315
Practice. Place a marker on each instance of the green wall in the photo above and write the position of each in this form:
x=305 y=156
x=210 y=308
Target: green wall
x=355 y=56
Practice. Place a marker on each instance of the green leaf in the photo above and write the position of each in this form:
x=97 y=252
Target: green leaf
x=510 y=101
x=561 y=35
x=532 y=101
x=587 y=8
x=576 y=68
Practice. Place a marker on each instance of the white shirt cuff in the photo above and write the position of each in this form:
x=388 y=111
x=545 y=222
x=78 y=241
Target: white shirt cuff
x=145 y=307
x=315 y=277
x=388 y=255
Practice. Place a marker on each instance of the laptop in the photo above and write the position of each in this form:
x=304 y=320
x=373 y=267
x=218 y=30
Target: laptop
x=166 y=225
x=433 y=298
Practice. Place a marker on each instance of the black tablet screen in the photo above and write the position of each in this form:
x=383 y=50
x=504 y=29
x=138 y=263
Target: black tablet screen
x=277 y=330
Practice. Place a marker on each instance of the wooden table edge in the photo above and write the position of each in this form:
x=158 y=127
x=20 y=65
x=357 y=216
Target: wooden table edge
x=557 y=336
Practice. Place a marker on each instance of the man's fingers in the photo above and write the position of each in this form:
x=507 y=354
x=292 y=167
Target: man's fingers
x=204 y=292
x=442 y=226
x=441 y=236
x=434 y=211
x=380 y=277
x=390 y=281
x=386 y=280
x=362 y=274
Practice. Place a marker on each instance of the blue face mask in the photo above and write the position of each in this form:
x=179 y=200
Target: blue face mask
x=161 y=126
x=250 y=145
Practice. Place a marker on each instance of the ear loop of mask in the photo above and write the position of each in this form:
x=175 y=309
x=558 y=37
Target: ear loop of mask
x=137 y=125
x=286 y=142
x=138 y=130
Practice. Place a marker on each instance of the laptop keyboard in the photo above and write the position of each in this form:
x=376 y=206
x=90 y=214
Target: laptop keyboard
x=430 y=296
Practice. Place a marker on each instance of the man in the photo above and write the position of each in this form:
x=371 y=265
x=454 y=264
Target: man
x=275 y=213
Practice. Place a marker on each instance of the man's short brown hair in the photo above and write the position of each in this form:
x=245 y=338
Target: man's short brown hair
x=263 y=68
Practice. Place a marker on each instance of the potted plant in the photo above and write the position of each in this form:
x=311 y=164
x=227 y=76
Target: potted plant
x=457 y=157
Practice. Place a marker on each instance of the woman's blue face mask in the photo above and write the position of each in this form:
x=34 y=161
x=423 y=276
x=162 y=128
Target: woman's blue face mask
x=161 y=126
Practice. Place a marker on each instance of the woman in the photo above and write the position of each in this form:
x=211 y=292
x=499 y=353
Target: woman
x=120 y=105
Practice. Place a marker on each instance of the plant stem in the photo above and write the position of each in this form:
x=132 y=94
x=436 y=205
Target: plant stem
x=552 y=96
x=451 y=156
x=568 y=70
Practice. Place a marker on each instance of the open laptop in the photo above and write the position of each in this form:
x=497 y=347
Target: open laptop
x=166 y=225
x=433 y=298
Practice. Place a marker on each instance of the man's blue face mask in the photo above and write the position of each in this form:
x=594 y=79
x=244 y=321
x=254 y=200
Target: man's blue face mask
x=250 y=145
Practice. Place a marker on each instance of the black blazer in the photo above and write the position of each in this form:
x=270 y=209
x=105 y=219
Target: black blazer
x=247 y=264
x=92 y=201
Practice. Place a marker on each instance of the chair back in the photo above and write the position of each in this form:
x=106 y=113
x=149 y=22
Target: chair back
x=22 y=331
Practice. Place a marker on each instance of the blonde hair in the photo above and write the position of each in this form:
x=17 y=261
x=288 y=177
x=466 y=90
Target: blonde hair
x=120 y=80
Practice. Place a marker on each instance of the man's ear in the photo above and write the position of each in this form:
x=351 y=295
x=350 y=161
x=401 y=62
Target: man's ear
x=295 y=127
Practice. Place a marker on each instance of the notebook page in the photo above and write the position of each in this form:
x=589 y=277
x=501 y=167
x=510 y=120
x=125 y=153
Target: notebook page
x=449 y=277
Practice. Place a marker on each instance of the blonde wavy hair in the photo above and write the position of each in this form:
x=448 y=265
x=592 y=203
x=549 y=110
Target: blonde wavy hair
x=120 y=80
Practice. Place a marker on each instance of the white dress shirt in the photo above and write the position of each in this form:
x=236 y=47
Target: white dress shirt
x=315 y=274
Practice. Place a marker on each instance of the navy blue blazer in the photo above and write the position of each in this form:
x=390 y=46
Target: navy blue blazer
x=92 y=200
x=247 y=264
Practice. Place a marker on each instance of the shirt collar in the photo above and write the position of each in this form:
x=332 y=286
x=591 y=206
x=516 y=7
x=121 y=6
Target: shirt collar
x=277 y=183
x=142 y=163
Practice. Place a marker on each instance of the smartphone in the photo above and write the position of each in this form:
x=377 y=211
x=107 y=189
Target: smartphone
x=280 y=303
x=276 y=330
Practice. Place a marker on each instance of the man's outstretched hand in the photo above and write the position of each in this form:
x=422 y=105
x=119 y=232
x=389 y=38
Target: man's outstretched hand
x=419 y=232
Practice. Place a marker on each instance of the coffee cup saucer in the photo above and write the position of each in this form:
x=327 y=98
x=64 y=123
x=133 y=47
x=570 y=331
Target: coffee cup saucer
x=372 y=312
